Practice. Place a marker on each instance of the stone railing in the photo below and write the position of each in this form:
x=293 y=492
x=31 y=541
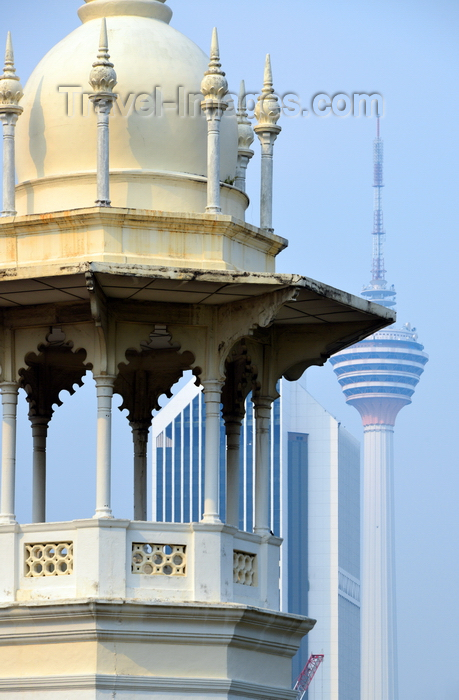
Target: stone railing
x=107 y=559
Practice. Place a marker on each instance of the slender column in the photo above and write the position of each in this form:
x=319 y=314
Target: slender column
x=9 y=401
x=10 y=96
x=262 y=472
x=233 y=438
x=9 y=194
x=104 y=388
x=39 y=435
x=214 y=87
x=102 y=80
x=378 y=610
x=212 y=398
x=267 y=112
x=245 y=140
x=140 y=438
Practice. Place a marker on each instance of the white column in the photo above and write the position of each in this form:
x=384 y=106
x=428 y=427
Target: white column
x=9 y=400
x=233 y=437
x=378 y=610
x=9 y=120
x=104 y=388
x=267 y=139
x=140 y=438
x=103 y=108
x=214 y=111
x=212 y=398
x=39 y=434
x=262 y=463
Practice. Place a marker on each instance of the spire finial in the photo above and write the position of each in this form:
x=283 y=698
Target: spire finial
x=10 y=87
x=214 y=85
x=9 y=56
x=267 y=110
x=103 y=77
x=214 y=50
x=268 y=88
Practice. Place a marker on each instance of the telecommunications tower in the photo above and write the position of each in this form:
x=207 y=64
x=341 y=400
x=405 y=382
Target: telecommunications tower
x=378 y=376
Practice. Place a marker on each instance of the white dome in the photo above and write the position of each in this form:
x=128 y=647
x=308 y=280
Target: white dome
x=157 y=161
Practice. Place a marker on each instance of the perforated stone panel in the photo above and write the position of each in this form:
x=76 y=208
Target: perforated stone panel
x=159 y=559
x=48 y=559
x=244 y=568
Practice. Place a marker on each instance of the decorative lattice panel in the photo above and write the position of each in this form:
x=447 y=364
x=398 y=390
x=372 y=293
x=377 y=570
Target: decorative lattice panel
x=48 y=559
x=244 y=568
x=159 y=559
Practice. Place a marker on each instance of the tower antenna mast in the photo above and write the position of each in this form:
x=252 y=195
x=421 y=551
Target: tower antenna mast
x=377 y=289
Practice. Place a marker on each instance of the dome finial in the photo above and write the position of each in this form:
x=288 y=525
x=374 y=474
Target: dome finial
x=102 y=77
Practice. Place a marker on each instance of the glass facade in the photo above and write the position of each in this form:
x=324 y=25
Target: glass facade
x=312 y=459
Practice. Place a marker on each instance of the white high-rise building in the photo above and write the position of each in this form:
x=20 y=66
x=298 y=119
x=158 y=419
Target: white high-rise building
x=315 y=508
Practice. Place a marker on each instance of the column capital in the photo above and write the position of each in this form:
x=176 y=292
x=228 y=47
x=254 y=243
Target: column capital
x=105 y=381
x=9 y=389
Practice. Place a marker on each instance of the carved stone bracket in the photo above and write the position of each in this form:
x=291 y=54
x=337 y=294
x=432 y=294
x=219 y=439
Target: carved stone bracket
x=146 y=376
x=55 y=368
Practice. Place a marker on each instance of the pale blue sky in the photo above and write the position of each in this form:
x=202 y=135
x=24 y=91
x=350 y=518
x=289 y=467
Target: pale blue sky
x=408 y=52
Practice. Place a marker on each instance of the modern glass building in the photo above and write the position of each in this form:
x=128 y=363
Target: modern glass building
x=315 y=508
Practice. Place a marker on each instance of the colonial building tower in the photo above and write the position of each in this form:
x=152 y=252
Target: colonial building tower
x=125 y=253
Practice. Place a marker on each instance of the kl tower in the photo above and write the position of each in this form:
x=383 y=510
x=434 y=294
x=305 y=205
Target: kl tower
x=379 y=376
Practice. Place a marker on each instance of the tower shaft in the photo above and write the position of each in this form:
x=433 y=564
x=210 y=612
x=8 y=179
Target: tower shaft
x=378 y=606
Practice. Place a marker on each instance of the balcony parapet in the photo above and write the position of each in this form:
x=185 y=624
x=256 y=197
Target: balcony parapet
x=116 y=560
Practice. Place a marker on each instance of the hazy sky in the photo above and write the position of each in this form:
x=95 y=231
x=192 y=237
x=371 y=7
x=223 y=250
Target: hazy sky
x=408 y=52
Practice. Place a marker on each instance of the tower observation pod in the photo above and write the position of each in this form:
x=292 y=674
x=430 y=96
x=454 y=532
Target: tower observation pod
x=125 y=255
x=379 y=376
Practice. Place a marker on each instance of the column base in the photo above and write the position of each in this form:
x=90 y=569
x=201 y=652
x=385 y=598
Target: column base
x=106 y=513
x=8 y=519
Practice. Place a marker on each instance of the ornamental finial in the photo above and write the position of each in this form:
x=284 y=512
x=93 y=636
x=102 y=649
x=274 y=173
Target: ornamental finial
x=103 y=77
x=245 y=131
x=10 y=87
x=267 y=109
x=214 y=85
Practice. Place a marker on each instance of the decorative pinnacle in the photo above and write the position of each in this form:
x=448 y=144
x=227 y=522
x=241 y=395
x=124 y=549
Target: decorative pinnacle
x=268 y=77
x=214 y=85
x=245 y=130
x=10 y=86
x=267 y=109
x=103 y=77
